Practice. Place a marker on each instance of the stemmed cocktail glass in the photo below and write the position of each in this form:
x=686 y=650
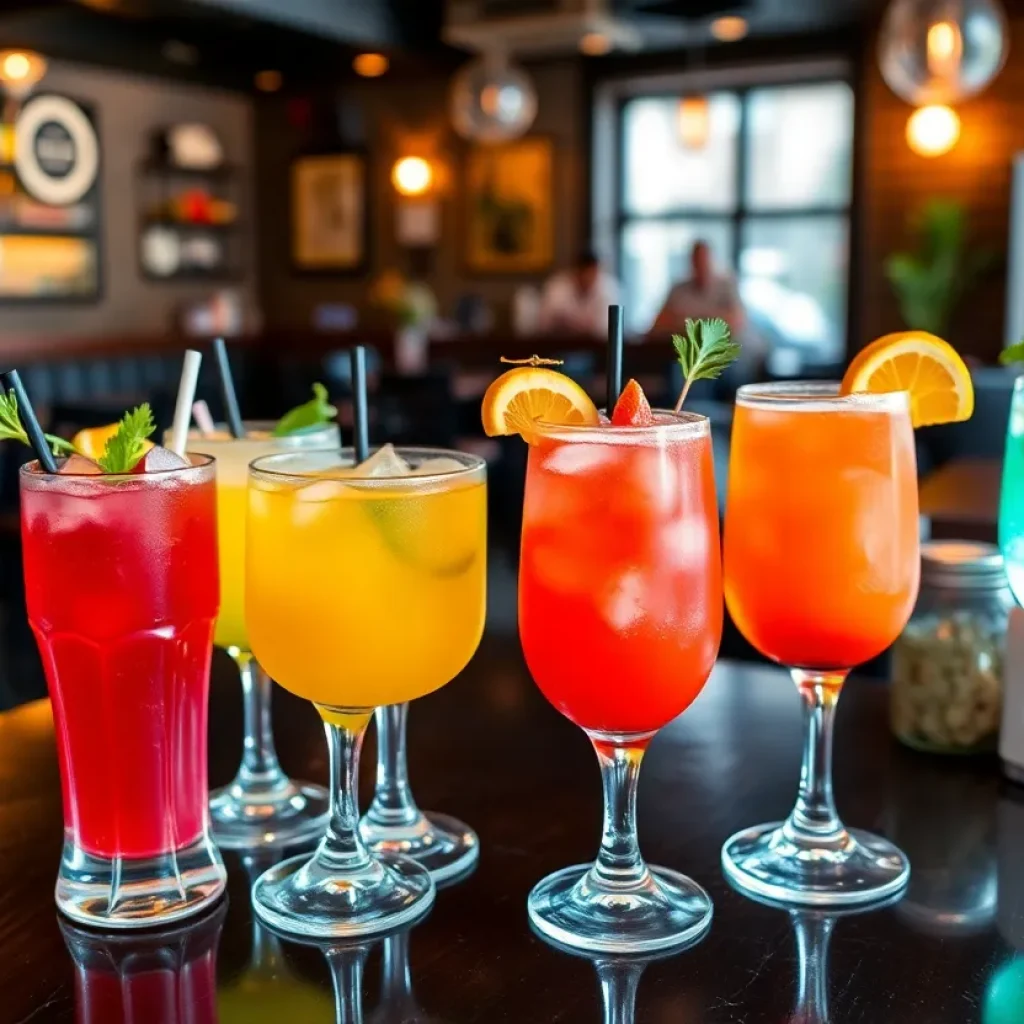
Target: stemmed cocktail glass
x=361 y=591
x=821 y=574
x=261 y=806
x=620 y=615
x=445 y=846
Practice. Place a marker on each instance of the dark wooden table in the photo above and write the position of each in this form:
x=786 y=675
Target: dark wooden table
x=489 y=749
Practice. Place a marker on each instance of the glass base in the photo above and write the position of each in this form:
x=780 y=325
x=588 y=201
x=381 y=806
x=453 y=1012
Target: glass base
x=667 y=911
x=121 y=893
x=443 y=845
x=284 y=813
x=861 y=868
x=302 y=896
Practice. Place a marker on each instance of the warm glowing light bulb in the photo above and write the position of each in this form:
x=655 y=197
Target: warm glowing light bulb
x=595 y=44
x=371 y=65
x=268 y=81
x=17 y=67
x=694 y=121
x=729 y=29
x=945 y=47
x=412 y=176
x=932 y=131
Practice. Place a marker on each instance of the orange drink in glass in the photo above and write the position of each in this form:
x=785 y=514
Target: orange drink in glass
x=821 y=574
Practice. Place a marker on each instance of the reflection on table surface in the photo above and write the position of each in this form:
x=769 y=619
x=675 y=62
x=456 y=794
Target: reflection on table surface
x=489 y=749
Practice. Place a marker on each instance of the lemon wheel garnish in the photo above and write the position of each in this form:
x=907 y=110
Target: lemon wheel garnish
x=929 y=369
x=527 y=395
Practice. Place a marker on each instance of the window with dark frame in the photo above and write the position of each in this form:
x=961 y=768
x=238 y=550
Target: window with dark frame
x=769 y=190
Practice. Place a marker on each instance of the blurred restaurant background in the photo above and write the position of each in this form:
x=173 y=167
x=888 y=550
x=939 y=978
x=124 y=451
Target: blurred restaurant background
x=453 y=181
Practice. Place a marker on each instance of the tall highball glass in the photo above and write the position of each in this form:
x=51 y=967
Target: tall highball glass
x=121 y=587
x=620 y=615
x=261 y=806
x=361 y=592
x=822 y=565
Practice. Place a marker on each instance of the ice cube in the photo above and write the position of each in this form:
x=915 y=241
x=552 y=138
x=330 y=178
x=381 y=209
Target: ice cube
x=578 y=457
x=438 y=466
x=622 y=603
x=313 y=500
x=385 y=462
x=159 y=459
x=79 y=465
x=321 y=490
x=684 y=543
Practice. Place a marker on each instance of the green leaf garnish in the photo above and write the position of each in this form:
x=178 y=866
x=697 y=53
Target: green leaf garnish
x=317 y=411
x=1012 y=354
x=704 y=351
x=125 y=448
x=12 y=430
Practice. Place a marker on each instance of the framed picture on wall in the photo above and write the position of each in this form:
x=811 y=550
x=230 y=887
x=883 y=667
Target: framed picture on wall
x=329 y=219
x=509 y=207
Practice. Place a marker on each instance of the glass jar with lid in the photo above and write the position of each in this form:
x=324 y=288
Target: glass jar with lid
x=947 y=673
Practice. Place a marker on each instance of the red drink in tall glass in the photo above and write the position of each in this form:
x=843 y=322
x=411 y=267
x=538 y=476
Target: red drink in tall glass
x=122 y=593
x=620 y=584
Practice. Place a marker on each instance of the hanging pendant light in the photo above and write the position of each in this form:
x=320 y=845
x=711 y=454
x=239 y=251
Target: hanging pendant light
x=694 y=121
x=492 y=100
x=20 y=71
x=942 y=51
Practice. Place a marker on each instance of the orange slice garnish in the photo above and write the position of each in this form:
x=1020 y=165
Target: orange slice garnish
x=937 y=379
x=93 y=442
x=527 y=395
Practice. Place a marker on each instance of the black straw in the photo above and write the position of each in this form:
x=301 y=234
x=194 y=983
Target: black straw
x=361 y=418
x=12 y=382
x=227 y=388
x=615 y=340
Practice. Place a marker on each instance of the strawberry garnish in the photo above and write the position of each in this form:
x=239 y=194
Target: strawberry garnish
x=632 y=409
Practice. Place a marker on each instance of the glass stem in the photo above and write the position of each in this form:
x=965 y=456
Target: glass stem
x=619 y=980
x=813 y=933
x=341 y=850
x=619 y=864
x=814 y=821
x=393 y=804
x=346 y=964
x=259 y=759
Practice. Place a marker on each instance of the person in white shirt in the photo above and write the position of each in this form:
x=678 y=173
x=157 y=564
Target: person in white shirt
x=576 y=301
x=705 y=294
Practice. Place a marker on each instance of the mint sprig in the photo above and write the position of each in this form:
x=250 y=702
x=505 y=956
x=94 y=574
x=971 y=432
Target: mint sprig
x=1012 y=354
x=11 y=428
x=124 y=450
x=704 y=350
x=314 y=413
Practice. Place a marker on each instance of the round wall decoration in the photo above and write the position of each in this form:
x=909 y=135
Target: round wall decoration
x=56 y=151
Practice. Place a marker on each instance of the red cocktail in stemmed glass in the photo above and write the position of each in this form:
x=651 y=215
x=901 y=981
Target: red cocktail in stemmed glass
x=620 y=615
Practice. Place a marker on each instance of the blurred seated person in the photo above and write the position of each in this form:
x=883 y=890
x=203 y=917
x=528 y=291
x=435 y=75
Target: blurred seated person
x=576 y=301
x=706 y=293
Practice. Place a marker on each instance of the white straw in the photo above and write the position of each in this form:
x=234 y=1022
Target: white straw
x=204 y=421
x=186 y=396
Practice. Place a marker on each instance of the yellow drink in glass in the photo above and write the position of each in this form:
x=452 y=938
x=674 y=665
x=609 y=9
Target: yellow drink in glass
x=233 y=456
x=368 y=594
x=261 y=806
x=361 y=591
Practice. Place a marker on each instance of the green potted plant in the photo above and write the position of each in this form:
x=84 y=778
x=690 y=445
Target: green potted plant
x=930 y=281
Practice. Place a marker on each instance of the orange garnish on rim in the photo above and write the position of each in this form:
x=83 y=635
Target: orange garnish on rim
x=928 y=368
x=529 y=394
